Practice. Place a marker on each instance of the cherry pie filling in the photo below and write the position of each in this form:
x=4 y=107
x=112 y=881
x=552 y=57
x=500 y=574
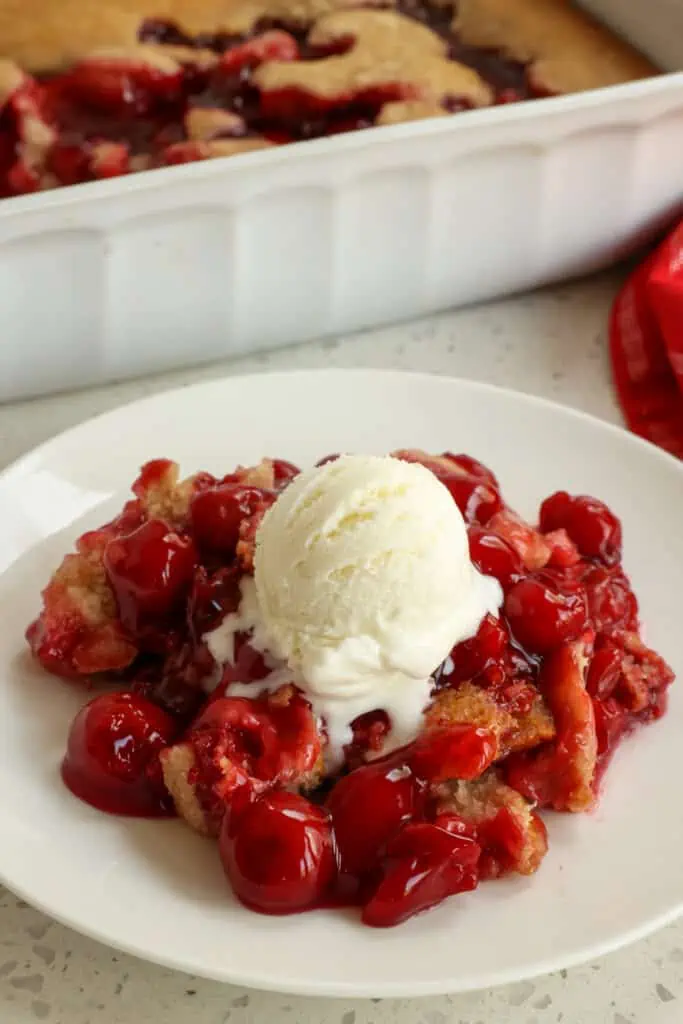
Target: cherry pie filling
x=164 y=94
x=524 y=716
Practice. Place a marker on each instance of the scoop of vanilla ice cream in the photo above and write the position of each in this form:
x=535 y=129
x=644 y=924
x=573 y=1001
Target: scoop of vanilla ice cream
x=362 y=573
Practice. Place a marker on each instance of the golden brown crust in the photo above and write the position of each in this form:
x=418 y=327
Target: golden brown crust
x=167 y=497
x=157 y=58
x=162 y=494
x=410 y=110
x=102 y=153
x=479 y=801
x=388 y=48
x=260 y=475
x=566 y=49
x=205 y=123
x=532 y=728
x=85 y=583
x=11 y=78
x=471 y=705
x=45 y=35
x=80 y=596
x=177 y=763
x=213 y=148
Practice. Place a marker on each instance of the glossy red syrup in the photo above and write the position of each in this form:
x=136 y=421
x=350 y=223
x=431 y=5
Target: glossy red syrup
x=375 y=843
x=493 y=556
x=150 y=570
x=595 y=530
x=541 y=616
x=375 y=838
x=367 y=808
x=111 y=759
x=280 y=858
x=425 y=864
x=216 y=515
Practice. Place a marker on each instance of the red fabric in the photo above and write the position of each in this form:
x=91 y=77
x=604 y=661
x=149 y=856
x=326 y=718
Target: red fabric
x=646 y=345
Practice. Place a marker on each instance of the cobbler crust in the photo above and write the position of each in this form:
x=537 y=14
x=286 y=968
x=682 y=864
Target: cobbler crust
x=471 y=705
x=388 y=47
x=43 y=35
x=11 y=78
x=567 y=50
x=200 y=795
x=479 y=801
x=410 y=110
x=95 y=89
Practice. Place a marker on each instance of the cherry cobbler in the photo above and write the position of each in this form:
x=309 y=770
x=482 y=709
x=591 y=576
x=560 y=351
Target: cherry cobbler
x=92 y=89
x=228 y=620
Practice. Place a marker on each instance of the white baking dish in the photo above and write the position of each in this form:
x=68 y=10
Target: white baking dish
x=192 y=263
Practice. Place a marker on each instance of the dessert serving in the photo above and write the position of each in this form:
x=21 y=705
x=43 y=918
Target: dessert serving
x=93 y=89
x=365 y=680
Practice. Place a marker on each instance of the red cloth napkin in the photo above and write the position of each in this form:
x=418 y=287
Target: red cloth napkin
x=646 y=345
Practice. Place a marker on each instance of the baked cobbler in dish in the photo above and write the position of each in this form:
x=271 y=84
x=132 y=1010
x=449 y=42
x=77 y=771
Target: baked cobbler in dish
x=92 y=89
x=366 y=680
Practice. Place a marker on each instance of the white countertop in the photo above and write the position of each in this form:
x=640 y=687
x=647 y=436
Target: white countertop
x=551 y=344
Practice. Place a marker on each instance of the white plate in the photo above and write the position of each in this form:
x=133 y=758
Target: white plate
x=156 y=889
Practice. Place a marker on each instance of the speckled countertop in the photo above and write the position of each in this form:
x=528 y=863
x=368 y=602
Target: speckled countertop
x=551 y=344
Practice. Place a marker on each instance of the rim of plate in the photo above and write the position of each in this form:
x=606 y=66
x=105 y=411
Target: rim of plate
x=250 y=378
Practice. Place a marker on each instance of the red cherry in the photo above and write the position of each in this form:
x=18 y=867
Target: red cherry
x=472 y=657
x=455 y=752
x=542 y=617
x=611 y=602
x=595 y=530
x=476 y=499
x=279 y=857
x=425 y=864
x=604 y=671
x=216 y=515
x=70 y=162
x=486 y=648
x=155 y=475
x=509 y=96
x=271 y=45
x=246 y=721
x=483 y=653
x=283 y=472
x=473 y=467
x=367 y=808
x=555 y=511
x=502 y=840
x=267 y=741
x=564 y=553
x=493 y=556
x=211 y=598
x=474 y=493
x=611 y=722
x=149 y=571
x=454 y=824
x=111 y=759
x=120 y=85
